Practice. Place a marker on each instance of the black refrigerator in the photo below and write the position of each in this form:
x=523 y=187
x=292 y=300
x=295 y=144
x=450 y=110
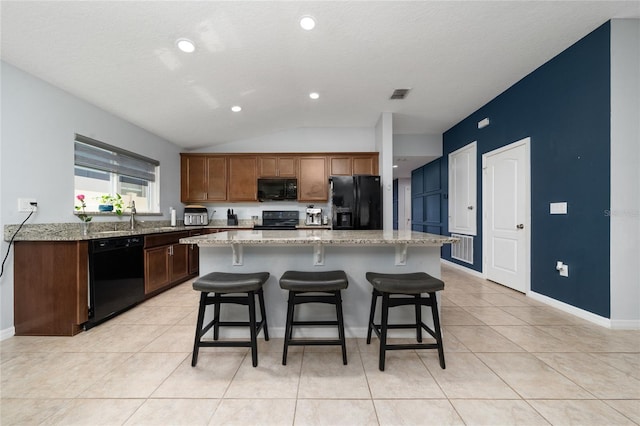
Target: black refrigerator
x=356 y=202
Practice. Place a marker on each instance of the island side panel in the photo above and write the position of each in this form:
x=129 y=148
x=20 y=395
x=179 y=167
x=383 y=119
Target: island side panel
x=354 y=260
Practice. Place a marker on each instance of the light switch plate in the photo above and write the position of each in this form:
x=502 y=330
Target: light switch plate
x=558 y=208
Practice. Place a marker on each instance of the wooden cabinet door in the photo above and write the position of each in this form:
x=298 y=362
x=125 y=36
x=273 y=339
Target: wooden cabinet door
x=194 y=259
x=340 y=166
x=50 y=287
x=179 y=259
x=156 y=268
x=193 y=178
x=267 y=166
x=365 y=165
x=288 y=167
x=203 y=178
x=216 y=178
x=243 y=178
x=277 y=166
x=312 y=179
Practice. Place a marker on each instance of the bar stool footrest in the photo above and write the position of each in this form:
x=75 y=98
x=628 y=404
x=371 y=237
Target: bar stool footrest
x=302 y=342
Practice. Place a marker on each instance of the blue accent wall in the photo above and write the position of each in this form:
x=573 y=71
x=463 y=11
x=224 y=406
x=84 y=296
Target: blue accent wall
x=427 y=197
x=564 y=107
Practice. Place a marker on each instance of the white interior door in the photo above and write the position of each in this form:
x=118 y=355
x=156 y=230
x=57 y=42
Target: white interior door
x=506 y=214
x=407 y=207
x=462 y=190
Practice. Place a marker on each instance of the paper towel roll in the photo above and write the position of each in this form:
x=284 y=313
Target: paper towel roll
x=173 y=216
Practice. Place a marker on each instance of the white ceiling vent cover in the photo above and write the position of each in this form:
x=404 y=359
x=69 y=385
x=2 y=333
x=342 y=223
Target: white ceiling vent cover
x=399 y=94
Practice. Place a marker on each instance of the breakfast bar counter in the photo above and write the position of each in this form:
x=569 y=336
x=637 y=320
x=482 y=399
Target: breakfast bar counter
x=355 y=252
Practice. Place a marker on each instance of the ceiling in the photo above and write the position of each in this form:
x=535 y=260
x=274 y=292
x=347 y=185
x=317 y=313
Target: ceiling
x=454 y=56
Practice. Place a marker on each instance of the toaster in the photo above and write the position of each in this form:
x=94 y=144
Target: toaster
x=196 y=216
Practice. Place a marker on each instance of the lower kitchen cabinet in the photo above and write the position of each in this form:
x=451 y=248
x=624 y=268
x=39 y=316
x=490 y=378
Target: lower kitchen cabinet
x=50 y=287
x=166 y=261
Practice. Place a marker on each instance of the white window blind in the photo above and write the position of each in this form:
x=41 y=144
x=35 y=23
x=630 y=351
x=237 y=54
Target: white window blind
x=96 y=155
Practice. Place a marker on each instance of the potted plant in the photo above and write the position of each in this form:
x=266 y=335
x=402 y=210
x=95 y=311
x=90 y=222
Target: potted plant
x=110 y=202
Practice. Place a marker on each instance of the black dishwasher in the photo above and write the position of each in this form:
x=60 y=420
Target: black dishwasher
x=116 y=277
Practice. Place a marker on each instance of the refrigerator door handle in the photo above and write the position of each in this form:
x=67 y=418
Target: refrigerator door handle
x=356 y=206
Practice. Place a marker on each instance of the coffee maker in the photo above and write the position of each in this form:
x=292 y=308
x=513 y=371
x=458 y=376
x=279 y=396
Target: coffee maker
x=314 y=216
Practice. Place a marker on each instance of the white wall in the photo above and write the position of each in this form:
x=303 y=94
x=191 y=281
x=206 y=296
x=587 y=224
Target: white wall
x=404 y=203
x=625 y=178
x=309 y=139
x=384 y=145
x=37 y=139
x=423 y=145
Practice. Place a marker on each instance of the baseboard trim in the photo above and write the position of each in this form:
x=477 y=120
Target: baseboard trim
x=570 y=309
x=462 y=268
x=7 y=332
x=625 y=324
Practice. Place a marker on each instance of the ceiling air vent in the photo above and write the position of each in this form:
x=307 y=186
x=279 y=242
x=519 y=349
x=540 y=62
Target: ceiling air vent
x=399 y=94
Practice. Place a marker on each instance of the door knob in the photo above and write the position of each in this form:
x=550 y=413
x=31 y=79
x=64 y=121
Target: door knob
x=469 y=207
x=520 y=226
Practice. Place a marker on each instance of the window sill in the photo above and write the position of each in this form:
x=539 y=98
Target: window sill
x=108 y=214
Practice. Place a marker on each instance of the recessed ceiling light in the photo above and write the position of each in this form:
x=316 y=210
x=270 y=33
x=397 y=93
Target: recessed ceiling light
x=307 y=23
x=395 y=166
x=185 y=45
x=314 y=95
x=236 y=108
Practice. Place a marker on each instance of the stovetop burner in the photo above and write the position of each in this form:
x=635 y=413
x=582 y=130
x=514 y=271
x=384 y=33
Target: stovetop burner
x=279 y=220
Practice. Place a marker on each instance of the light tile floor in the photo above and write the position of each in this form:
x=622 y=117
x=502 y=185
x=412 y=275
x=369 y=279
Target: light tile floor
x=510 y=360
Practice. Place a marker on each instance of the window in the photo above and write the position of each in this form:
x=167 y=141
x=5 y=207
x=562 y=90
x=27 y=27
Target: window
x=104 y=169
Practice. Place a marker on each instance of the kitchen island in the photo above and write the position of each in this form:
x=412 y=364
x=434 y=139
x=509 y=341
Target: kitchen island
x=355 y=252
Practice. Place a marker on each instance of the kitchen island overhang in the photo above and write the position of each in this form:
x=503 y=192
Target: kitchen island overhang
x=355 y=252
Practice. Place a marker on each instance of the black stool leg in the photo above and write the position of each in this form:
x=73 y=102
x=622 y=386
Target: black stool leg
x=263 y=314
x=418 y=319
x=383 y=330
x=288 y=327
x=253 y=328
x=196 y=343
x=374 y=298
x=216 y=317
x=436 y=326
x=341 y=326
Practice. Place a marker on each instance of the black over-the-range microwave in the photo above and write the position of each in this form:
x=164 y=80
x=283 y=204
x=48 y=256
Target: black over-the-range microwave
x=277 y=189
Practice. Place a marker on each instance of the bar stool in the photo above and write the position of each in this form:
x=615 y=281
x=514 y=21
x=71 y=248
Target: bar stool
x=325 y=287
x=400 y=290
x=218 y=288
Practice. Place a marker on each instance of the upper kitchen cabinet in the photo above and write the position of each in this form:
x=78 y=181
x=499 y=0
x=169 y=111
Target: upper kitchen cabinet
x=313 y=182
x=203 y=178
x=277 y=166
x=365 y=164
x=353 y=164
x=243 y=178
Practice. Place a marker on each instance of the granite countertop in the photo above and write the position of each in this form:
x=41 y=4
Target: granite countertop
x=318 y=236
x=98 y=230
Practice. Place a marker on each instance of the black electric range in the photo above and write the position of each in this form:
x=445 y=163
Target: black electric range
x=279 y=220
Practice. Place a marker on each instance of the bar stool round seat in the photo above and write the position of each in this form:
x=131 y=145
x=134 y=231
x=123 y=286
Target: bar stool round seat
x=218 y=288
x=224 y=282
x=314 y=287
x=412 y=283
x=418 y=289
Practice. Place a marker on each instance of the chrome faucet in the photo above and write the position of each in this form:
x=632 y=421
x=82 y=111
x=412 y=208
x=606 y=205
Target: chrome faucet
x=133 y=215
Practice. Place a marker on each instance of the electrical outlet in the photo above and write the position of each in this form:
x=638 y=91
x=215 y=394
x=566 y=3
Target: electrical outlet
x=24 y=205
